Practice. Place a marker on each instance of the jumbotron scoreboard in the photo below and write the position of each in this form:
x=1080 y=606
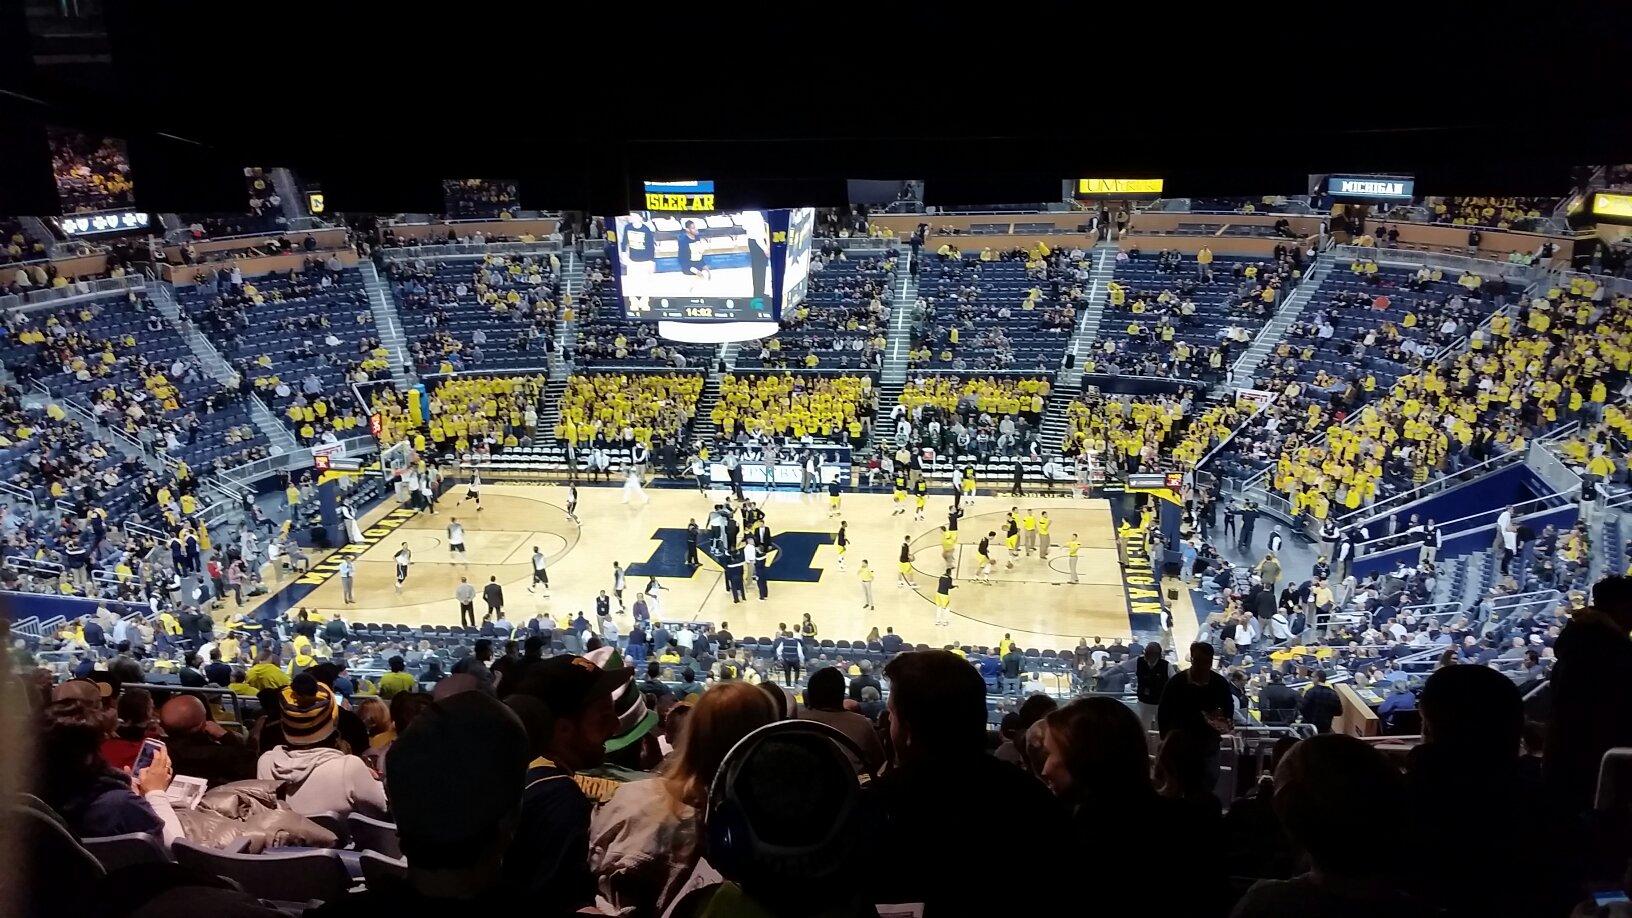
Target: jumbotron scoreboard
x=742 y=266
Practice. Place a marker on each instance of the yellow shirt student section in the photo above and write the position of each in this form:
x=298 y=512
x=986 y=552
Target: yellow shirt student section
x=651 y=404
x=463 y=410
x=991 y=394
x=1552 y=363
x=1118 y=422
x=833 y=408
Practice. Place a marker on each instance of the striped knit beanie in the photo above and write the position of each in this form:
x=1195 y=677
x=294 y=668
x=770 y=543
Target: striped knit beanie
x=309 y=711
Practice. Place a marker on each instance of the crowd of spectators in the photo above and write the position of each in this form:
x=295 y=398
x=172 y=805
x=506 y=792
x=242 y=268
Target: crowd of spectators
x=120 y=360
x=1557 y=356
x=835 y=409
x=1131 y=432
x=15 y=245
x=503 y=312
x=843 y=321
x=480 y=415
x=92 y=173
x=299 y=339
x=1501 y=212
x=981 y=416
x=616 y=408
x=1009 y=310
x=1187 y=320
x=470 y=198
x=615 y=810
x=841 y=222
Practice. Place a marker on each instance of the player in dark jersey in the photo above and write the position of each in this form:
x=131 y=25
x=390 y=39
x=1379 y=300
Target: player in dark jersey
x=843 y=541
x=943 y=599
x=905 y=565
x=690 y=246
x=984 y=573
x=639 y=243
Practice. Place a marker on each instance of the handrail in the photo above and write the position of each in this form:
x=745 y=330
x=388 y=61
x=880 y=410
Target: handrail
x=78 y=290
x=1322 y=262
x=1408 y=258
x=470 y=250
x=19 y=493
x=1262 y=407
x=1432 y=486
x=1451 y=528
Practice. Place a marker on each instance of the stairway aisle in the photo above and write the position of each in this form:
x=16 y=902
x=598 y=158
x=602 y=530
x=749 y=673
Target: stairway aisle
x=703 y=427
x=1052 y=433
x=1241 y=373
x=387 y=323
x=1087 y=331
x=214 y=363
x=572 y=289
x=549 y=413
x=902 y=296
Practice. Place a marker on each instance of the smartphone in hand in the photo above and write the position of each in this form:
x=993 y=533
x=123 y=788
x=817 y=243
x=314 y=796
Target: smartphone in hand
x=150 y=749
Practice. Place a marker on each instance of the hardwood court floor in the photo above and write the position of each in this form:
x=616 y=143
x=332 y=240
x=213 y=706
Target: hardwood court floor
x=1033 y=600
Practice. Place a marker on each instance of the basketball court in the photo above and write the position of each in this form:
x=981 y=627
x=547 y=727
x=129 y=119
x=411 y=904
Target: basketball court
x=1033 y=600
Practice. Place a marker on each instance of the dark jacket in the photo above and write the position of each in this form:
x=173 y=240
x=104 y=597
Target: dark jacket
x=108 y=806
x=1320 y=705
x=929 y=841
x=1152 y=679
x=548 y=860
x=1592 y=705
x=1278 y=704
x=217 y=761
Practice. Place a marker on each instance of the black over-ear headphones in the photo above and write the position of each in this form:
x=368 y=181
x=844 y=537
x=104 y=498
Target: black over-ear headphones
x=733 y=847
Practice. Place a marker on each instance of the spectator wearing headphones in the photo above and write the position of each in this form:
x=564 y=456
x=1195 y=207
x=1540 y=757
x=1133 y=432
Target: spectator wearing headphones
x=646 y=840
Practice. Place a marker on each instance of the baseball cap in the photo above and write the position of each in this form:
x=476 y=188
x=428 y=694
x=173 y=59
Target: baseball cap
x=635 y=717
x=81 y=690
x=568 y=683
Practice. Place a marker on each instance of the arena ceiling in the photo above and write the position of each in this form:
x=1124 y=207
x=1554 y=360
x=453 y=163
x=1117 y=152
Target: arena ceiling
x=379 y=101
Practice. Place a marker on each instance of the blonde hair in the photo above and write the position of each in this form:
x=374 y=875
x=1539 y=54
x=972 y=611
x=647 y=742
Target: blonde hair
x=723 y=715
x=376 y=717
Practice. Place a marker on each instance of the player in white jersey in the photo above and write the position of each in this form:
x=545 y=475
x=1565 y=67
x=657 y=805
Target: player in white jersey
x=403 y=558
x=540 y=576
x=456 y=539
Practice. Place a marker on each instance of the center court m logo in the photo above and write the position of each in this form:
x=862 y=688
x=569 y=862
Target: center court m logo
x=791 y=558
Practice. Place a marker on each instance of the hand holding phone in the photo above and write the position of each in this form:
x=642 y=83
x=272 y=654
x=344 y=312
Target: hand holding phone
x=152 y=770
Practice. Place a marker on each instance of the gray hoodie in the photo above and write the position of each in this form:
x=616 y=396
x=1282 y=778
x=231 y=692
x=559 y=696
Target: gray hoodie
x=323 y=780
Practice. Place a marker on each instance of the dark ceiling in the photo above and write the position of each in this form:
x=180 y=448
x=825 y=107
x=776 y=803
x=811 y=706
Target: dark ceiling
x=378 y=102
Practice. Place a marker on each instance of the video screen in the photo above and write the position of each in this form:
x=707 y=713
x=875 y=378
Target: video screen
x=696 y=267
x=92 y=173
x=801 y=223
